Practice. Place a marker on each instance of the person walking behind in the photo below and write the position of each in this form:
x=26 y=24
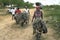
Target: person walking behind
x=13 y=12
x=17 y=11
x=17 y=15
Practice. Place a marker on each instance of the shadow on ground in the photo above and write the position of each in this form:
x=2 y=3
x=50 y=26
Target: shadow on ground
x=18 y=26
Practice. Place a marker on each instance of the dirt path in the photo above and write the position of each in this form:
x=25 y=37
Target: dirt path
x=49 y=35
x=11 y=31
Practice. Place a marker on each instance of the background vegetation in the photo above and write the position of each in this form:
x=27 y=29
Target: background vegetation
x=52 y=14
x=19 y=3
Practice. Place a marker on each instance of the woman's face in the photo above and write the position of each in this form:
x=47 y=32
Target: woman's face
x=38 y=9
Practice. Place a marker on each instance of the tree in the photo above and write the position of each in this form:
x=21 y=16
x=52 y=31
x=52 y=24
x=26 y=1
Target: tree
x=19 y=3
x=29 y=4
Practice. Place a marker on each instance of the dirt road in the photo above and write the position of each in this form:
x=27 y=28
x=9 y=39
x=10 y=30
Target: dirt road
x=9 y=30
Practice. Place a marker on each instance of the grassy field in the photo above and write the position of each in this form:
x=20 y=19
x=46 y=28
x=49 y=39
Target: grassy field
x=53 y=17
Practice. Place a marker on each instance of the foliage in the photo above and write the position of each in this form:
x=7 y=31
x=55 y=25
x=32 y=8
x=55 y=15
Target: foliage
x=19 y=3
x=54 y=12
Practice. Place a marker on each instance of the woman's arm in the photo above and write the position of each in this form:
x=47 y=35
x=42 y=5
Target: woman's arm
x=33 y=17
x=41 y=14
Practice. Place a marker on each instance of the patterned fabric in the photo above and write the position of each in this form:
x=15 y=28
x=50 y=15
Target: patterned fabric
x=37 y=14
x=21 y=17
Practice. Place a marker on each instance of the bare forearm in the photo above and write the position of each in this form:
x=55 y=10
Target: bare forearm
x=41 y=15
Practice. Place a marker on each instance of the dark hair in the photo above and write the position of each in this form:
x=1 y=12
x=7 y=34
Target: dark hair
x=17 y=8
x=38 y=4
x=12 y=8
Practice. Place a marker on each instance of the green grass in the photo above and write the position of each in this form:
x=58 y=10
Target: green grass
x=54 y=12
